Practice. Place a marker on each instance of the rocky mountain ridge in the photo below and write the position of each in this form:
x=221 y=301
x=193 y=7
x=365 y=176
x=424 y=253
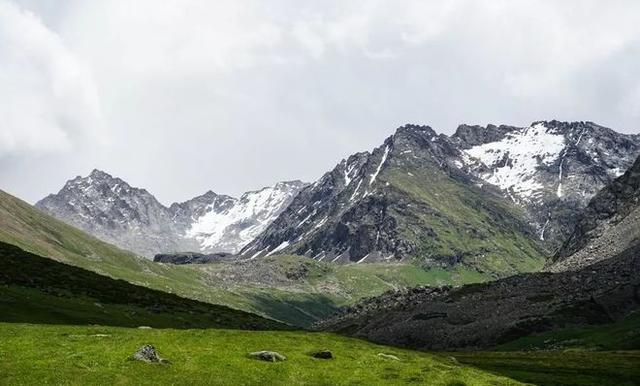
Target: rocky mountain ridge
x=407 y=198
x=550 y=169
x=132 y=218
x=609 y=225
x=545 y=173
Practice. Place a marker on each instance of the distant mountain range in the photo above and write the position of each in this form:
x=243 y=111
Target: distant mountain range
x=132 y=218
x=496 y=198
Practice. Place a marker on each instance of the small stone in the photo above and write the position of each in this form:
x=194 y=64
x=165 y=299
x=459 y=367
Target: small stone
x=148 y=353
x=144 y=328
x=388 y=356
x=322 y=354
x=269 y=356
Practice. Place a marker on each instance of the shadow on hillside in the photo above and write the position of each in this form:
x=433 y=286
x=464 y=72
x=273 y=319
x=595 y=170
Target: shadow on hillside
x=34 y=289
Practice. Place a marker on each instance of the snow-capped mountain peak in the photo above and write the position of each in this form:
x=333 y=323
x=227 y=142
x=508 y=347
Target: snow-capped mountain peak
x=132 y=218
x=549 y=168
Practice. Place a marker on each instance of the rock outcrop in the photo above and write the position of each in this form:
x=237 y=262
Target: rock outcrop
x=484 y=315
x=609 y=225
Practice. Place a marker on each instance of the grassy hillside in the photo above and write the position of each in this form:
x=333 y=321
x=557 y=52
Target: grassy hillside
x=38 y=290
x=478 y=231
x=296 y=300
x=35 y=354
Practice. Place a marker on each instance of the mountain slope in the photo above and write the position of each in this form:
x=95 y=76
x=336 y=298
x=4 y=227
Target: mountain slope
x=35 y=289
x=231 y=224
x=550 y=169
x=406 y=199
x=292 y=289
x=443 y=199
x=489 y=314
x=110 y=209
x=609 y=225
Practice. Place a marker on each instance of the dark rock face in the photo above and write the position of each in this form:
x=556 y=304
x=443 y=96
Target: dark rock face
x=484 y=315
x=610 y=224
x=192 y=258
x=131 y=218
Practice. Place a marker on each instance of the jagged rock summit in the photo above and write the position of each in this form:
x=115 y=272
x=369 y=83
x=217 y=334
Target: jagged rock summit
x=132 y=218
x=551 y=169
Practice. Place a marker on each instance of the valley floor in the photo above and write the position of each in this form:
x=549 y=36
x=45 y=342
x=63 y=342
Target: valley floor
x=95 y=355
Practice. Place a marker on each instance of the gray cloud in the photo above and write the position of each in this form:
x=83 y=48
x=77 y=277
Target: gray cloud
x=185 y=96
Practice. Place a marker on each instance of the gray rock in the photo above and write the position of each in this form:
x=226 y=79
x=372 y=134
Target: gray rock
x=192 y=258
x=322 y=354
x=268 y=356
x=148 y=353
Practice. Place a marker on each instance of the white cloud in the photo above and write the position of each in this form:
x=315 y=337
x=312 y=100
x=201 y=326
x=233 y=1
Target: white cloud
x=47 y=98
x=230 y=95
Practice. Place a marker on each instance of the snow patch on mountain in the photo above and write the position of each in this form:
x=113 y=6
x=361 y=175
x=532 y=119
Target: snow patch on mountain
x=384 y=159
x=514 y=160
x=234 y=227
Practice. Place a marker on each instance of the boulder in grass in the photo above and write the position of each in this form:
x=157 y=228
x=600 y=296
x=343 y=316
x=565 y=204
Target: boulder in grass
x=148 y=353
x=322 y=354
x=268 y=356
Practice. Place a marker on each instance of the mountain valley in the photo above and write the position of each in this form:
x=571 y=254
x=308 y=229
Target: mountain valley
x=493 y=238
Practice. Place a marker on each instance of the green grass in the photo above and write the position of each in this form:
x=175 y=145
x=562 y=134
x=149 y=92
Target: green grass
x=621 y=335
x=560 y=368
x=36 y=354
x=36 y=289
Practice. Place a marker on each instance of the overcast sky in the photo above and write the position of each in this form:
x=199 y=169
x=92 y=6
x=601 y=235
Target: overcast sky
x=180 y=97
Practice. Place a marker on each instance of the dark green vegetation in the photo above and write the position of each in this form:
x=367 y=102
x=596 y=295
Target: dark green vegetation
x=38 y=290
x=295 y=299
x=569 y=356
x=560 y=368
x=621 y=335
x=35 y=354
